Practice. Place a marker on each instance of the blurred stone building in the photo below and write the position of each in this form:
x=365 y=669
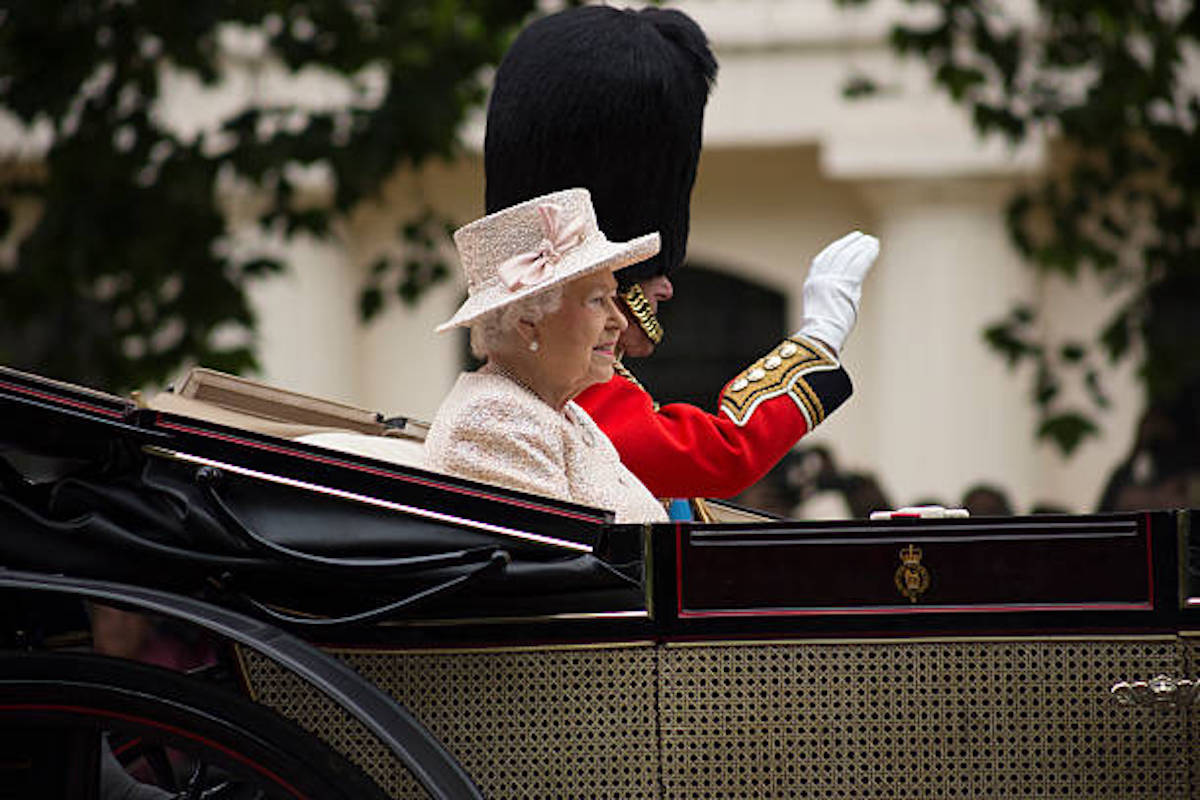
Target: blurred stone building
x=788 y=165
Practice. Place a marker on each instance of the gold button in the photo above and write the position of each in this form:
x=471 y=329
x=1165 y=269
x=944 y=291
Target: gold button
x=739 y=384
x=788 y=349
x=772 y=362
x=756 y=374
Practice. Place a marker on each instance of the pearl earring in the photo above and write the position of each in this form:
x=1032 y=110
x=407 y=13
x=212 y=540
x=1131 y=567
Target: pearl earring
x=533 y=346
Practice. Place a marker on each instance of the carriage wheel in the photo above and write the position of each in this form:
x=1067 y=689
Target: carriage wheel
x=87 y=726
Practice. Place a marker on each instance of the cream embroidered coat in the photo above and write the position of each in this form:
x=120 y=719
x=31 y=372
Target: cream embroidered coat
x=493 y=430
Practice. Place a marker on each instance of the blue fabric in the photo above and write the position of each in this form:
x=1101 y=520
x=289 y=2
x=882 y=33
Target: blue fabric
x=680 y=510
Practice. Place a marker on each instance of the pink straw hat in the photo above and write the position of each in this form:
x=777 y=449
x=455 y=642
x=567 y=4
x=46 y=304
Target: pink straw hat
x=534 y=246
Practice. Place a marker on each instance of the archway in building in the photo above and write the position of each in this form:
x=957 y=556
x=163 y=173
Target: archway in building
x=716 y=325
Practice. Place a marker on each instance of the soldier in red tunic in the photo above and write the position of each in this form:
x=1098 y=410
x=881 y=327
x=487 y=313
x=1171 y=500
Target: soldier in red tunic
x=613 y=100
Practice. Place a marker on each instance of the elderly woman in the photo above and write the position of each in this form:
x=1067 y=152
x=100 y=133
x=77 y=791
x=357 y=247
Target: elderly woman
x=542 y=314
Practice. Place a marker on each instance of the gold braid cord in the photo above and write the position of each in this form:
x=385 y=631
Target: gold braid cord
x=701 y=510
x=781 y=371
x=639 y=306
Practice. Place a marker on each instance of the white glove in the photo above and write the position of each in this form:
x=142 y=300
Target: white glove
x=834 y=286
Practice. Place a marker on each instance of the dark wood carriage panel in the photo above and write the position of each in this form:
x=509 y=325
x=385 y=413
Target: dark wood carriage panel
x=916 y=566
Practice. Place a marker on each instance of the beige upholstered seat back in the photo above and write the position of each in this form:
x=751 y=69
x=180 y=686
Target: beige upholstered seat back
x=258 y=407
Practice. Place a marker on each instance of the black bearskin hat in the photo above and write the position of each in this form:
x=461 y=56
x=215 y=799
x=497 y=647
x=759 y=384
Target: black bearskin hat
x=611 y=100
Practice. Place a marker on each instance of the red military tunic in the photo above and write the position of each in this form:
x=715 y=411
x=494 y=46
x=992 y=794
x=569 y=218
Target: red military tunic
x=679 y=450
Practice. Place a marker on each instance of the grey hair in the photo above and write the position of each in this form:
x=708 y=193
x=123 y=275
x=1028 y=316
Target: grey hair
x=489 y=331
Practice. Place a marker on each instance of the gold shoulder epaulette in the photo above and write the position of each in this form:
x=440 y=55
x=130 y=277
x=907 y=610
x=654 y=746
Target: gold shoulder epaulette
x=782 y=371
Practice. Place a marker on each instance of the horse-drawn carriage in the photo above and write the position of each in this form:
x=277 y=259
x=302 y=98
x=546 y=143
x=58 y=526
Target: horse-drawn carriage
x=368 y=628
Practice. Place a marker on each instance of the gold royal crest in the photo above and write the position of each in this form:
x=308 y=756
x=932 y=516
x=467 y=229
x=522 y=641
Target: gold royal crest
x=912 y=578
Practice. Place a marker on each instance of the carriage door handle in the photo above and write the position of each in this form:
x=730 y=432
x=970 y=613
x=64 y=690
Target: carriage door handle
x=1160 y=691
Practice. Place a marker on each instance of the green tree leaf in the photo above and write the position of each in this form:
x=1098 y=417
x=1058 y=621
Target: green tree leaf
x=1121 y=200
x=1067 y=430
x=126 y=273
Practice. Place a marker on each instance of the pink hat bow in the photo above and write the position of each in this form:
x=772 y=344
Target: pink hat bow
x=536 y=266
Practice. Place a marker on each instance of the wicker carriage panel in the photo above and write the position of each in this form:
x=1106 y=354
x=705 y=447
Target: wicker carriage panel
x=575 y=722
x=1191 y=669
x=950 y=719
x=295 y=699
x=959 y=719
x=545 y=723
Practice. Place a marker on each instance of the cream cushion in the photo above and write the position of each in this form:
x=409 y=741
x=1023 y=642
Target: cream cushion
x=398 y=450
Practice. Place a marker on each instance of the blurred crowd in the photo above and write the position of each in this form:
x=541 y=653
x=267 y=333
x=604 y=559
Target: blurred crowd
x=1161 y=471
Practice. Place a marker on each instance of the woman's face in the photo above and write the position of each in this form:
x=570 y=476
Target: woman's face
x=577 y=343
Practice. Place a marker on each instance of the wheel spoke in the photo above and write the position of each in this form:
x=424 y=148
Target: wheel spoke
x=195 y=784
